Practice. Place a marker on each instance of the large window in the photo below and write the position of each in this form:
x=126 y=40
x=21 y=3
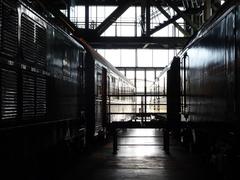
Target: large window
x=138 y=57
x=130 y=23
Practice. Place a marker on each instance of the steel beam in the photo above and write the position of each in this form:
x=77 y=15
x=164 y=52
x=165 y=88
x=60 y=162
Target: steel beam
x=115 y=2
x=159 y=7
x=65 y=21
x=148 y=19
x=182 y=14
x=143 y=18
x=87 y=16
x=113 y=17
x=138 y=42
x=166 y=23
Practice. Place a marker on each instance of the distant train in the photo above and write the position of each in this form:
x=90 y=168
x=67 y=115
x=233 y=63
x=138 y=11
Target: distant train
x=206 y=94
x=104 y=86
x=54 y=89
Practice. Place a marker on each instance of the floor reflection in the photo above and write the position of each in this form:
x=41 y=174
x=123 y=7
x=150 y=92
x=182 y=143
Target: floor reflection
x=140 y=143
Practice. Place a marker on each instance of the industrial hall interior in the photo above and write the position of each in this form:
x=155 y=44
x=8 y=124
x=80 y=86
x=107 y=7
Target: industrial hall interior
x=120 y=89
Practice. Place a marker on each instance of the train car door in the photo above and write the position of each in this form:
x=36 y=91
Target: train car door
x=173 y=92
x=231 y=98
x=237 y=43
x=104 y=97
x=186 y=87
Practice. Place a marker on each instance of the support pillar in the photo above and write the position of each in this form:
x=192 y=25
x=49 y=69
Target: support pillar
x=143 y=18
x=87 y=16
x=68 y=9
x=115 y=141
x=166 y=139
x=148 y=19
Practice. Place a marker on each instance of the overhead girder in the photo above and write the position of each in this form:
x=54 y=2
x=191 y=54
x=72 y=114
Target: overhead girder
x=113 y=16
x=65 y=21
x=182 y=14
x=138 y=42
x=159 y=7
x=165 y=24
x=93 y=36
x=117 y=2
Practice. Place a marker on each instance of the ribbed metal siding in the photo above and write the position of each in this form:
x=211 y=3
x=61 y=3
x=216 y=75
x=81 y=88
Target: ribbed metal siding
x=1 y=23
x=41 y=85
x=8 y=28
x=27 y=39
x=8 y=94
x=41 y=44
x=28 y=96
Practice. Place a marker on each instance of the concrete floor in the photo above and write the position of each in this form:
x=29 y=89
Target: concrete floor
x=141 y=157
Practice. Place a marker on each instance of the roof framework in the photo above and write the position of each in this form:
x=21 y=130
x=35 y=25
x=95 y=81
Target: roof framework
x=188 y=10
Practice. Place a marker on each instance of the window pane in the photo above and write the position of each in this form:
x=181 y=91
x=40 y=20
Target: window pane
x=145 y=58
x=150 y=79
x=130 y=75
x=140 y=81
x=127 y=58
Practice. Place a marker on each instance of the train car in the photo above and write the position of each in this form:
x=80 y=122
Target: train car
x=210 y=71
x=159 y=89
x=210 y=87
x=105 y=96
x=41 y=98
x=166 y=89
x=54 y=90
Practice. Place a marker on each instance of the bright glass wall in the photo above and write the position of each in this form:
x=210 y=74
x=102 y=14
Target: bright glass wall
x=128 y=24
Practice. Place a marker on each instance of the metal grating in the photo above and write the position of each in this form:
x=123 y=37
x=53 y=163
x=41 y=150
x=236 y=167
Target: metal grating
x=41 y=84
x=8 y=94
x=9 y=28
x=27 y=39
x=41 y=44
x=28 y=95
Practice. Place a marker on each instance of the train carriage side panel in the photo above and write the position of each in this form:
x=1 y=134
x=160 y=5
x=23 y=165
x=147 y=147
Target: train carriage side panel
x=173 y=92
x=99 y=74
x=99 y=88
x=89 y=96
x=237 y=42
x=9 y=112
x=205 y=79
x=230 y=64
x=28 y=82
x=9 y=28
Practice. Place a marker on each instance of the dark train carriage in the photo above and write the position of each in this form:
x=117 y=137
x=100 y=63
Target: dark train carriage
x=41 y=76
x=102 y=80
x=209 y=72
x=159 y=87
x=210 y=89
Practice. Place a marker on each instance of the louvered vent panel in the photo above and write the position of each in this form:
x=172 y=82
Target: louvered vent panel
x=8 y=94
x=1 y=17
x=9 y=34
x=41 y=43
x=28 y=106
x=27 y=40
x=41 y=96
